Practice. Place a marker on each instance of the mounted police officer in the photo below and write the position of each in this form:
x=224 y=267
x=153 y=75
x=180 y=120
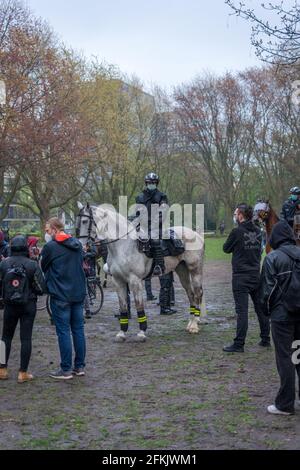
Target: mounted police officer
x=290 y=206
x=151 y=220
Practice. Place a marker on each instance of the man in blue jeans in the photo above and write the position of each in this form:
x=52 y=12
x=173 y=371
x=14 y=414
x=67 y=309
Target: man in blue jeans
x=62 y=264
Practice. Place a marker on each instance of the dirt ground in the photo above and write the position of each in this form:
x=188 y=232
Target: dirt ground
x=176 y=391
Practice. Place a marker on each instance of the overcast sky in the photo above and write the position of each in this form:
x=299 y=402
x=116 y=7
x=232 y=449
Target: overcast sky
x=162 y=41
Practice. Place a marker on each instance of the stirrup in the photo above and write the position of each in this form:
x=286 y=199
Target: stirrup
x=158 y=270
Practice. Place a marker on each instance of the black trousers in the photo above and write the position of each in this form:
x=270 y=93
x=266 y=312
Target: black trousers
x=26 y=315
x=243 y=287
x=284 y=334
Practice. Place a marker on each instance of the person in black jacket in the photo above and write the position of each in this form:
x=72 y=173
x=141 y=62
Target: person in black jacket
x=24 y=313
x=290 y=206
x=151 y=220
x=244 y=242
x=275 y=278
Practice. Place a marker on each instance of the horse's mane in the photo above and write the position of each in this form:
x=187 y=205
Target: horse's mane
x=122 y=223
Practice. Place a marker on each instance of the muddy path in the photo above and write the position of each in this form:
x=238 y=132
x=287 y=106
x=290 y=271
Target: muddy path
x=176 y=391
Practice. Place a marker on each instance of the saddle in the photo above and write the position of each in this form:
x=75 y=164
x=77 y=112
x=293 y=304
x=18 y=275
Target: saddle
x=172 y=246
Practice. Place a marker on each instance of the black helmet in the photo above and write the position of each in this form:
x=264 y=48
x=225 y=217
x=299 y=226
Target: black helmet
x=19 y=244
x=152 y=178
x=295 y=190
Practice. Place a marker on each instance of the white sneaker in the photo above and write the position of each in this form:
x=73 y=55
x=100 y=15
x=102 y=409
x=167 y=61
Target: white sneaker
x=274 y=411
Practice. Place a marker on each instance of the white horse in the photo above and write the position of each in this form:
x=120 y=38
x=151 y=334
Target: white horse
x=129 y=267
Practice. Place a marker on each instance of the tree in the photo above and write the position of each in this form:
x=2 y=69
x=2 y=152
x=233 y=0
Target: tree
x=274 y=44
x=55 y=136
x=216 y=121
x=122 y=115
x=24 y=43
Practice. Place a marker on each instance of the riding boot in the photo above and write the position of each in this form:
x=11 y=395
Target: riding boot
x=164 y=297
x=159 y=267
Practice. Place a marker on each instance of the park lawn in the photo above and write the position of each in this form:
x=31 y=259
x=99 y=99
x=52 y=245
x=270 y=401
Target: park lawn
x=214 y=249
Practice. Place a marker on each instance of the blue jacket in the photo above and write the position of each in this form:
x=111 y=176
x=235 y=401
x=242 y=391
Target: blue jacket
x=62 y=263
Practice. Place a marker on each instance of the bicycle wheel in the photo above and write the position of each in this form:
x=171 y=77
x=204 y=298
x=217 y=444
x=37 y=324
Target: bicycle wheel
x=41 y=302
x=96 y=296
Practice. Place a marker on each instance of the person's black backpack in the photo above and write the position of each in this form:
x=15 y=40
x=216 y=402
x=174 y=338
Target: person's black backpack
x=15 y=285
x=291 y=296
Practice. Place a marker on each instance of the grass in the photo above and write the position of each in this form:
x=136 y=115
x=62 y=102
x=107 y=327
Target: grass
x=214 y=249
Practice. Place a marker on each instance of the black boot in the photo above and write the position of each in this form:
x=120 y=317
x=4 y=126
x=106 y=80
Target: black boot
x=159 y=267
x=167 y=311
x=233 y=348
x=164 y=301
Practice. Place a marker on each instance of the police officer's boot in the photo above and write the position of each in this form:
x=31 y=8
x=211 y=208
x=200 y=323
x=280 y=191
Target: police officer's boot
x=159 y=267
x=164 y=302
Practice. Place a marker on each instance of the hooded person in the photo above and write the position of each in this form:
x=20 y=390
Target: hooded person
x=62 y=264
x=21 y=280
x=4 y=246
x=275 y=279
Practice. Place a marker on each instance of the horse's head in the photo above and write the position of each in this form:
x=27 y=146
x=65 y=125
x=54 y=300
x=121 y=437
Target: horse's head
x=261 y=211
x=85 y=224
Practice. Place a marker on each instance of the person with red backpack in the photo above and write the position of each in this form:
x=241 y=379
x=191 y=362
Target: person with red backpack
x=21 y=281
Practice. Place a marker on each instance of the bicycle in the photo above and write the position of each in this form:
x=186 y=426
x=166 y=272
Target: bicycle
x=95 y=293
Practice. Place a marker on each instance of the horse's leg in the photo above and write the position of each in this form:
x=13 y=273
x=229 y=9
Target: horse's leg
x=136 y=286
x=197 y=286
x=121 y=289
x=185 y=280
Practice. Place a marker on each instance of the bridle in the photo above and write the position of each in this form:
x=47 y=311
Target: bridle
x=92 y=223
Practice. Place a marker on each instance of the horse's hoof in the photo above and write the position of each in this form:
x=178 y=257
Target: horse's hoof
x=141 y=336
x=121 y=337
x=194 y=330
x=189 y=326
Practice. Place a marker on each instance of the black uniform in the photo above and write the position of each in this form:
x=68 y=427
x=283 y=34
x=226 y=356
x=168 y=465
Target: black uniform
x=25 y=313
x=285 y=327
x=288 y=211
x=147 y=198
x=244 y=242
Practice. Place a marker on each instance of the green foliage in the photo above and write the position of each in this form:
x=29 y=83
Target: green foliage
x=214 y=249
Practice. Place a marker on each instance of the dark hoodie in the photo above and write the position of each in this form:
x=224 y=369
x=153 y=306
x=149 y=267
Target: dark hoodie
x=276 y=272
x=245 y=244
x=62 y=263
